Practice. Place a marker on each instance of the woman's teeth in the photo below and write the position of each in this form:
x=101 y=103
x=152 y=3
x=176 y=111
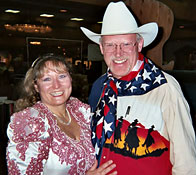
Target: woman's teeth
x=56 y=93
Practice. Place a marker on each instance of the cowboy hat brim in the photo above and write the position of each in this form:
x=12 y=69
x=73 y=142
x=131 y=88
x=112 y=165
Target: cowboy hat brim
x=145 y=31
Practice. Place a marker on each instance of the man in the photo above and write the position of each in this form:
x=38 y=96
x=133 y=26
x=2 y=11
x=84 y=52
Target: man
x=141 y=119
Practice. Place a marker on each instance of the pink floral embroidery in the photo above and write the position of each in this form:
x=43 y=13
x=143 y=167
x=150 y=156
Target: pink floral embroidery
x=82 y=164
x=31 y=167
x=72 y=155
x=12 y=167
x=21 y=148
x=60 y=151
x=30 y=126
x=73 y=171
x=71 y=151
x=37 y=162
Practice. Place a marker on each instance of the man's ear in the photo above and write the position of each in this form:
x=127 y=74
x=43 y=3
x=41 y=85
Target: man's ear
x=101 y=48
x=140 y=44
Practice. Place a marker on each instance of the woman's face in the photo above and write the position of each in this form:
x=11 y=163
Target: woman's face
x=54 y=87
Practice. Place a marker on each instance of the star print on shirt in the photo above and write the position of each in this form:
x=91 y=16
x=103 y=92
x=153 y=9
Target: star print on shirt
x=154 y=68
x=103 y=103
x=146 y=75
x=138 y=76
x=118 y=85
x=149 y=61
x=144 y=86
x=91 y=114
x=128 y=85
x=98 y=112
x=93 y=135
x=107 y=126
x=112 y=99
x=107 y=92
x=97 y=148
x=132 y=88
x=158 y=79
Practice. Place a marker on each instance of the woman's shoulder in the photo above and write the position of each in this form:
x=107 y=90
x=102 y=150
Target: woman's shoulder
x=32 y=112
x=27 y=124
x=73 y=101
x=79 y=108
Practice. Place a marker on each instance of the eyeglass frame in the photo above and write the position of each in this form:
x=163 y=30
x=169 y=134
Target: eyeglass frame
x=122 y=45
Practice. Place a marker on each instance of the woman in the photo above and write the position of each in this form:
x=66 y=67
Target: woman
x=50 y=134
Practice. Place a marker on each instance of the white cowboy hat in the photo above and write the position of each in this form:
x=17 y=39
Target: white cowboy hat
x=119 y=20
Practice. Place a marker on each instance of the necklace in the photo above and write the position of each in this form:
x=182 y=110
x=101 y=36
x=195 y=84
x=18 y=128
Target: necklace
x=61 y=121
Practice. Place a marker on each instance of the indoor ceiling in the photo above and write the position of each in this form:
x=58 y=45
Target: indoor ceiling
x=62 y=27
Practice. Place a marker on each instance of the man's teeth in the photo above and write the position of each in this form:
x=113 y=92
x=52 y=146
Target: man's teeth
x=119 y=61
x=56 y=93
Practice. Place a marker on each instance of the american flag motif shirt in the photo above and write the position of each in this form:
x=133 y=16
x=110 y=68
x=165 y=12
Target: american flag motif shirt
x=138 y=122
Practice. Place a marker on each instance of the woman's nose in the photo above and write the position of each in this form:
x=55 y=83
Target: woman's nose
x=56 y=83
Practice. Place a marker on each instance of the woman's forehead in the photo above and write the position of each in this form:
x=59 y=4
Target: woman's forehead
x=55 y=65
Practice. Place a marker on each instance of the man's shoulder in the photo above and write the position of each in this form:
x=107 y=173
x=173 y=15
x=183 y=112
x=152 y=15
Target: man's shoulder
x=172 y=86
x=96 y=91
x=171 y=80
x=100 y=80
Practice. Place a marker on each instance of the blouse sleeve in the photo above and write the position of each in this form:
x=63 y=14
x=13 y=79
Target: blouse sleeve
x=29 y=141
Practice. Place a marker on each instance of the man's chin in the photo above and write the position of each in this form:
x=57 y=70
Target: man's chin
x=119 y=75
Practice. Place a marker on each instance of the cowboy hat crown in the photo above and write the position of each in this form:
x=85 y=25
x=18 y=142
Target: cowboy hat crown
x=119 y=20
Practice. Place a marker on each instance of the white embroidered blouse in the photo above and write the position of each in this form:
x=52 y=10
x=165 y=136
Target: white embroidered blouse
x=38 y=146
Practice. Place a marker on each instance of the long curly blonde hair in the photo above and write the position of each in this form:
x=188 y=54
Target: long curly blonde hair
x=29 y=96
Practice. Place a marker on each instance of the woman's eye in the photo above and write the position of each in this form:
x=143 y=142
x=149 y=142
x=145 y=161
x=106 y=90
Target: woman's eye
x=63 y=75
x=46 y=79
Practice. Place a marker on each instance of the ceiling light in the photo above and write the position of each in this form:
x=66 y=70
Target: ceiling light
x=181 y=27
x=12 y=11
x=76 y=19
x=28 y=28
x=63 y=10
x=35 y=42
x=47 y=15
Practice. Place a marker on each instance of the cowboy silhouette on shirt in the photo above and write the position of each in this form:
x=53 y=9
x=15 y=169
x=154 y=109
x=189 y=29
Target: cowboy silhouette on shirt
x=117 y=133
x=149 y=140
x=132 y=140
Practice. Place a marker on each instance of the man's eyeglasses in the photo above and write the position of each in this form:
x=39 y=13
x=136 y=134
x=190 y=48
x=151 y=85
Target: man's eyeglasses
x=125 y=47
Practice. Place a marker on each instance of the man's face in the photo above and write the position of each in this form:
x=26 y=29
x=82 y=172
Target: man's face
x=121 y=53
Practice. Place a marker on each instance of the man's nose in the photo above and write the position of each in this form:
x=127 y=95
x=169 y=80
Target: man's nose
x=118 y=50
